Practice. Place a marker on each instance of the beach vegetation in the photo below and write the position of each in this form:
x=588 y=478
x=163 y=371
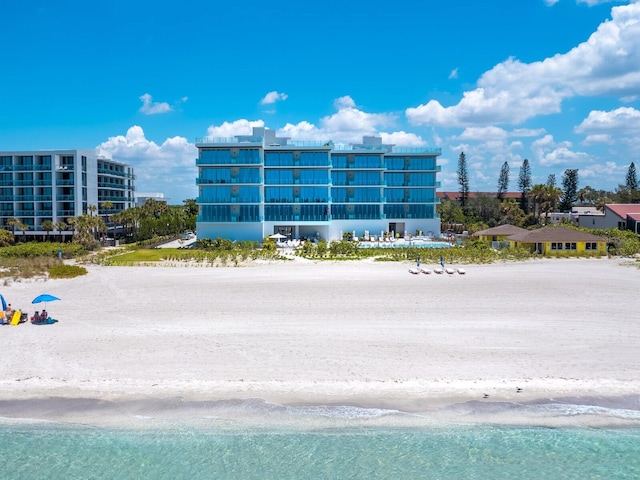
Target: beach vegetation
x=26 y=267
x=212 y=252
x=66 y=271
x=6 y=238
x=42 y=249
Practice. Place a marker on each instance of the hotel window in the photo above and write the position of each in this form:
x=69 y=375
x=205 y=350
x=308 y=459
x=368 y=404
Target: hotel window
x=215 y=156
x=569 y=246
x=339 y=161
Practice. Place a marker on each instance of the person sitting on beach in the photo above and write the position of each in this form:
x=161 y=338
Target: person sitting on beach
x=8 y=314
x=44 y=316
x=35 y=318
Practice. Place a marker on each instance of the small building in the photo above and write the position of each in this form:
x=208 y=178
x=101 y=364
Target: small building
x=618 y=216
x=498 y=236
x=559 y=240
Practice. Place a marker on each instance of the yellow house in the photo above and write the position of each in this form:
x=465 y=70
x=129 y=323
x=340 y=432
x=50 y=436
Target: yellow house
x=498 y=236
x=560 y=240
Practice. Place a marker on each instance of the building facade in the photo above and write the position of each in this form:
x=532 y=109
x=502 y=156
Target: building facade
x=55 y=185
x=253 y=186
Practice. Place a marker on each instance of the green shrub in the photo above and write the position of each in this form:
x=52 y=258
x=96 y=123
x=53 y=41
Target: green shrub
x=42 y=249
x=66 y=271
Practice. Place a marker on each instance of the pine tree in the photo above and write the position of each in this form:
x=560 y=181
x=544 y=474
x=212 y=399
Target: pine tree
x=524 y=184
x=503 y=181
x=551 y=180
x=463 y=180
x=632 y=178
x=569 y=190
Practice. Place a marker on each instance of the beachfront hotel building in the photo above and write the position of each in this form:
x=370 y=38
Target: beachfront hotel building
x=55 y=185
x=254 y=186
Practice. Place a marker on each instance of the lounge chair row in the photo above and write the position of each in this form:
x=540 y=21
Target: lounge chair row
x=437 y=270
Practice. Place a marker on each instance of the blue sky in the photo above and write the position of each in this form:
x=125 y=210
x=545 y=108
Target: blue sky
x=553 y=81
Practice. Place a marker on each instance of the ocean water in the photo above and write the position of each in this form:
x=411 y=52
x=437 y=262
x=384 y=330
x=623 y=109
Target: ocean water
x=453 y=452
x=257 y=440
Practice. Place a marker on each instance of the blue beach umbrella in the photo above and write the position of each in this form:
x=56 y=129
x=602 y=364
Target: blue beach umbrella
x=418 y=262
x=4 y=303
x=45 y=297
x=441 y=261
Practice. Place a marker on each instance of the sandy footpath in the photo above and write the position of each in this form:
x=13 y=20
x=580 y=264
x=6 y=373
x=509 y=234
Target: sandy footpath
x=364 y=333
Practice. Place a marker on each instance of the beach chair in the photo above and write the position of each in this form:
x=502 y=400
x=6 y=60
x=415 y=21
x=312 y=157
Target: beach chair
x=438 y=270
x=450 y=270
x=414 y=270
x=461 y=271
x=426 y=271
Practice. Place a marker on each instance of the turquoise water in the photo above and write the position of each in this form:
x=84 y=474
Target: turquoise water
x=415 y=244
x=42 y=451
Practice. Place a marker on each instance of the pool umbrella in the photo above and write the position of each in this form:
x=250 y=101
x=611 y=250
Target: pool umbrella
x=277 y=236
x=45 y=297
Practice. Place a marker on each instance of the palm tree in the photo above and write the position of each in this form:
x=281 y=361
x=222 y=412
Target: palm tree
x=13 y=223
x=60 y=226
x=48 y=226
x=536 y=194
x=91 y=209
x=24 y=227
x=551 y=197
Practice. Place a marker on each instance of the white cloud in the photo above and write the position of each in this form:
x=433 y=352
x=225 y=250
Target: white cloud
x=344 y=102
x=273 y=97
x=453 y=74
x=608 y=63
x=168 y=168
x=149 y=107
x=621 y=120
x=230 y=129
x=348 y=125
x=598 y=139
x=550 y=153
x=551 y=2
x=402 y=139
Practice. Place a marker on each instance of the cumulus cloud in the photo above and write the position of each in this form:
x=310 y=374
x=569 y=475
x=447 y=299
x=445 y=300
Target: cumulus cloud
x=168 y=168
x=607 y=64
x=348 y=125
x=149 y=107
x=550 y=153
x=230 y=129
x=620 y=120
x=273 y=97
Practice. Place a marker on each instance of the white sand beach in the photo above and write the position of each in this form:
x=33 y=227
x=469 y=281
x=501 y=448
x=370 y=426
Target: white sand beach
x=357 y=333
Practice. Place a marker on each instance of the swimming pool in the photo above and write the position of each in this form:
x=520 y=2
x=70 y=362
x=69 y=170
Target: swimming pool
x=413 y=244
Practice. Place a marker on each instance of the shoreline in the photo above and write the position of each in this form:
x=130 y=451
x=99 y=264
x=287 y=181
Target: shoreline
x=176 y=412
x=361 y=334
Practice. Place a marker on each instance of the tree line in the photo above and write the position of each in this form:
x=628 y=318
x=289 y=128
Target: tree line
x=154 y=218
x=535 y=202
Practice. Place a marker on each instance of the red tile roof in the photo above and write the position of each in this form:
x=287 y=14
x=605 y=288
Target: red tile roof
x=623 y=209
